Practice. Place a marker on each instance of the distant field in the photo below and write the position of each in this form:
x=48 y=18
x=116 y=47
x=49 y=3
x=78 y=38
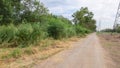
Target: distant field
x=111 y=43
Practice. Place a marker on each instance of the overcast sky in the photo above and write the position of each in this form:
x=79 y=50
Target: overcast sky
x=104 y=10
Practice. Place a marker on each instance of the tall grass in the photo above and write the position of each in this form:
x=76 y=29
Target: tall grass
x=20 y=36
x=8 y=35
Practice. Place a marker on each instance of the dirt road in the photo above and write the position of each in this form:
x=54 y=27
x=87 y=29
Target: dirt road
x=87 y=53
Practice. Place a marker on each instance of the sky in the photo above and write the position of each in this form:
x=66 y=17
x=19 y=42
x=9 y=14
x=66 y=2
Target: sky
x=104 y=10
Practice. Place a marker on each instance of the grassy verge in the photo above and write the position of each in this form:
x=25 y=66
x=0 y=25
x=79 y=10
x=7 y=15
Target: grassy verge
x=26 y=57
x=111 y=42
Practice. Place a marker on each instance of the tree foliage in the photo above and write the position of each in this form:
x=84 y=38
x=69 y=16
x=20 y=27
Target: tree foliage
x=84 y=18
x=5 y=11
x=17 y=11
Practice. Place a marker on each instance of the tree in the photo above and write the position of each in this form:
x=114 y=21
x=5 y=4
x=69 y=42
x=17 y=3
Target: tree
x=18 y=10
x=84 y=18
x=32 y=10
x=5 y=11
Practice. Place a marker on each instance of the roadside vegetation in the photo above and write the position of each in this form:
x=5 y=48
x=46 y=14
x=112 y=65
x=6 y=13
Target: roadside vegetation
x=27 y=28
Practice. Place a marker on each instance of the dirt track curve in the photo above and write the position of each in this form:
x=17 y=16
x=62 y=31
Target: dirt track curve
x=87 y=53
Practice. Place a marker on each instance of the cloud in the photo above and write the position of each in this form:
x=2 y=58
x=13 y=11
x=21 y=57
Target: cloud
x=104 y=10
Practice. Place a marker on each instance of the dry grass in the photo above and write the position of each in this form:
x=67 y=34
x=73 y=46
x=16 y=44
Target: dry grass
x=112 y=45
x=27 y=57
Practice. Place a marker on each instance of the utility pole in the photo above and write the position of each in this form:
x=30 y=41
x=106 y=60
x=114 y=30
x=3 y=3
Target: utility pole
x=117 y=18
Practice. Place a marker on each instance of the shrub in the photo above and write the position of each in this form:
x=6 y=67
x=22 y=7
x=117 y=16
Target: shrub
x=24 y=34
x=37 y=33
x=81 y=30
x=27 y=34
x=70 y=31
x=56 y=30
x=30 y=34
x=7 y=34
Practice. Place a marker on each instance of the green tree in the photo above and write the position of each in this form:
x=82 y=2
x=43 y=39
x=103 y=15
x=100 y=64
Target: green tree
x=5 y=11
x=84 y=18
x=18 y=10
x=33 y=10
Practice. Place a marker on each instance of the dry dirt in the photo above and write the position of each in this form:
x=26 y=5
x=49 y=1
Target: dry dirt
x=111 y=43
x=87 y=53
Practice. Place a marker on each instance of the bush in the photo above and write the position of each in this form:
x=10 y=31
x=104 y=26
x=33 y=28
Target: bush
x=38 y=33
x=30 y=34
x=81 y=30
x=24 y=34
x=70 y=31
x=56 y=30
x=27 y=34
x=8 y=34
